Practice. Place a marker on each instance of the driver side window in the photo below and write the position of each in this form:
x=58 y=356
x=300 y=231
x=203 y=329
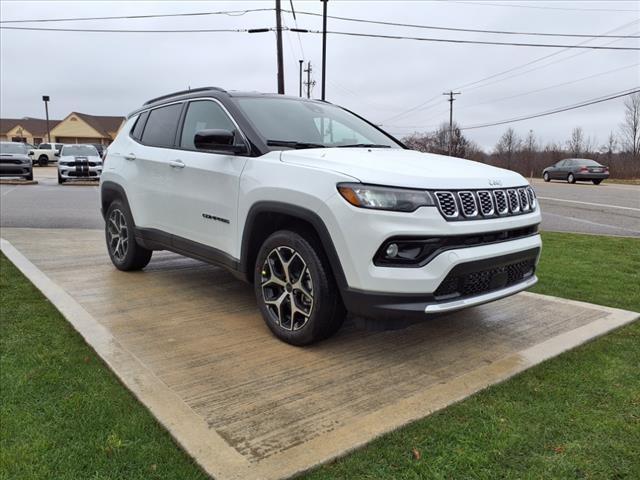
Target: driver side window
x=205 y=115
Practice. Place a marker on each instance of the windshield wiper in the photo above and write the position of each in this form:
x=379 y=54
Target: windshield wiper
x=293 y=144
x=363 y=145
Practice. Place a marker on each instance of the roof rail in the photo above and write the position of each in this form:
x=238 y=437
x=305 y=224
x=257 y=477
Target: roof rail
x=182 y=92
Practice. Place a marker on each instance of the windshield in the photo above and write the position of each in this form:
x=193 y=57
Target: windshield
x=13 y=148
x=289 y=122
x=78 y=150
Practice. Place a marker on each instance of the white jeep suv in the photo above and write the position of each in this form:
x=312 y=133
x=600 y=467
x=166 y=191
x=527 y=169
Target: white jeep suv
x=321 y=210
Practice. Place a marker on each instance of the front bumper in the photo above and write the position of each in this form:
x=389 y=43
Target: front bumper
x=468 y=284
x=83 y=172
x=15 y=169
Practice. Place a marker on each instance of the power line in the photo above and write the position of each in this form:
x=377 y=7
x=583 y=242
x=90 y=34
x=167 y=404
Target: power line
x=586 y=103
x=453 y=29
x=545 y=7
x=232 y=13
x=113 y=30
x=428 y=104
x=475 y=42
x=495 y=100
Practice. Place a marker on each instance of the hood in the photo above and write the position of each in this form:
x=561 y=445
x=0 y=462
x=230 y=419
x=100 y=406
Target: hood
x=405 y=168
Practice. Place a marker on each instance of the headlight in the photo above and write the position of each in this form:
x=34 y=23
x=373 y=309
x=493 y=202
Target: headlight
x=385 y=198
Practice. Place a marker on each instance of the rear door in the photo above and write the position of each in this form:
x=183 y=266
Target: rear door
x=146 y=166
x=204 y=185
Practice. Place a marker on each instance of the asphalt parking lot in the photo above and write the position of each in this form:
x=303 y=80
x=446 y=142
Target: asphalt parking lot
x=606 y=209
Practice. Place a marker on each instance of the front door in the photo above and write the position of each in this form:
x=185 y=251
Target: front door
x=204 y=185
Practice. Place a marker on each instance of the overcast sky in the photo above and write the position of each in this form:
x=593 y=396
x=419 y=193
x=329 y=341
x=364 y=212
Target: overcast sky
x=112 y=74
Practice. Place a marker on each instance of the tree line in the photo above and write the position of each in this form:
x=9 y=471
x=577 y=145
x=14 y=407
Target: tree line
x=528 y=155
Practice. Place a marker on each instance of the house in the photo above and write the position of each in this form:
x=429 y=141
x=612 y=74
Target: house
x=74 y=128
x=29 y=130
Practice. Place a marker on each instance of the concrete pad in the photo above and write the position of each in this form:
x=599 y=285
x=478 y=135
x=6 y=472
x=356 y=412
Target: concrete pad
x=186 y=338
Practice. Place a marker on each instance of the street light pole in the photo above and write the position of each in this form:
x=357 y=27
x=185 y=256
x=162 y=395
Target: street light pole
x=45 y=99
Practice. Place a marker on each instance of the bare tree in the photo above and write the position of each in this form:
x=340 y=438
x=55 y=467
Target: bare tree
x=630 y=128
x=508 y=146
x=438 y=142
x=576 y=144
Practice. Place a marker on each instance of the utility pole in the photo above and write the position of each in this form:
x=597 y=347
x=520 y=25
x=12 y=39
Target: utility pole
x=300 y=81
x=451 y=93
x=309 y=83
x=45 y=99
x=279 y=49
x=324 y=46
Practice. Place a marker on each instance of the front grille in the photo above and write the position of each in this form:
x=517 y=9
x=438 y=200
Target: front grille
x=10 y=161
x=468 y=204
x=447 y=204
x=459 y=284
x=478 y=204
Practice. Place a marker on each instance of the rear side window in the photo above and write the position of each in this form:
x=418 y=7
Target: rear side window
x=204 y=115
x=136 y=132
x=161 y=126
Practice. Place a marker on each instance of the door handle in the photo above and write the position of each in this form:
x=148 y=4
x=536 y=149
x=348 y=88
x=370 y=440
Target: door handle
x=130 y=156
x=176 y=163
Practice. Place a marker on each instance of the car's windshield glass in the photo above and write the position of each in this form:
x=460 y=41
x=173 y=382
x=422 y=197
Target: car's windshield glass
x=78 y=150
x=13 y=148
x=288 y=122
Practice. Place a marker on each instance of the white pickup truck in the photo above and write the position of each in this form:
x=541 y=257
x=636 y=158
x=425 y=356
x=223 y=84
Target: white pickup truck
x=45 y=153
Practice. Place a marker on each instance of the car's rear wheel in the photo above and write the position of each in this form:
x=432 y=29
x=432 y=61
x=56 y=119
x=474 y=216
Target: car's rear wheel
x=295 y=289
x=571 y=178
x=546 y=177
x=597 y=182
x=43 y=161
x=123 y=250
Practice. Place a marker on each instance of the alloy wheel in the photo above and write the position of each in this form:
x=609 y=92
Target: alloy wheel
x=287 y=288
x=118 y=234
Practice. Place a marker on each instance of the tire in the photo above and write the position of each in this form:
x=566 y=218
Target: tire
x=30 y=176
x=571 y=178
x=546 y=177
x=285 y=256
x=43 y=160
x=60 y=179
x=129 y=255
x=597 y=182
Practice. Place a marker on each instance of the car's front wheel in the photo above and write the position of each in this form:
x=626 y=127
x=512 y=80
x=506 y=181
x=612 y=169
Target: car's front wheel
x=295 y=289
x=60 y=179
x=29 y=177
x=125 y=253
x=546 y=177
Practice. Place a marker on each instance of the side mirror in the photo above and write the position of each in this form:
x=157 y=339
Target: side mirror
x=57 y=154
x=217 y=140
x=30 y=152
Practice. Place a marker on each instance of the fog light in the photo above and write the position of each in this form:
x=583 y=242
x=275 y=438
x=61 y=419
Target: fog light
x=392 y=250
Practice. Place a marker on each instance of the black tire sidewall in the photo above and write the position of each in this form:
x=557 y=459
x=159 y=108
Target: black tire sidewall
x=129 y=262
x=546 y=177
x=324 y=290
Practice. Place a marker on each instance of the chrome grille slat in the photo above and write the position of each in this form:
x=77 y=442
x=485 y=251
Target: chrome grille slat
x=524 y=199
x=486 y=203
x=447 y=204
x=502 y=206
x=514 y=202
x=532 y=198
x=468 y=204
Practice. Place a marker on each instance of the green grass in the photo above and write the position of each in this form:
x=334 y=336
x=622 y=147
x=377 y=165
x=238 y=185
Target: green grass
x=64 y=415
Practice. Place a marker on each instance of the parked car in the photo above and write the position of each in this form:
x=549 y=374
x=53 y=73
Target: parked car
x=15 y=161
x=100 y=148
x=575 y=169
x=45 y=153
x=321 y=210
x=79 y=162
